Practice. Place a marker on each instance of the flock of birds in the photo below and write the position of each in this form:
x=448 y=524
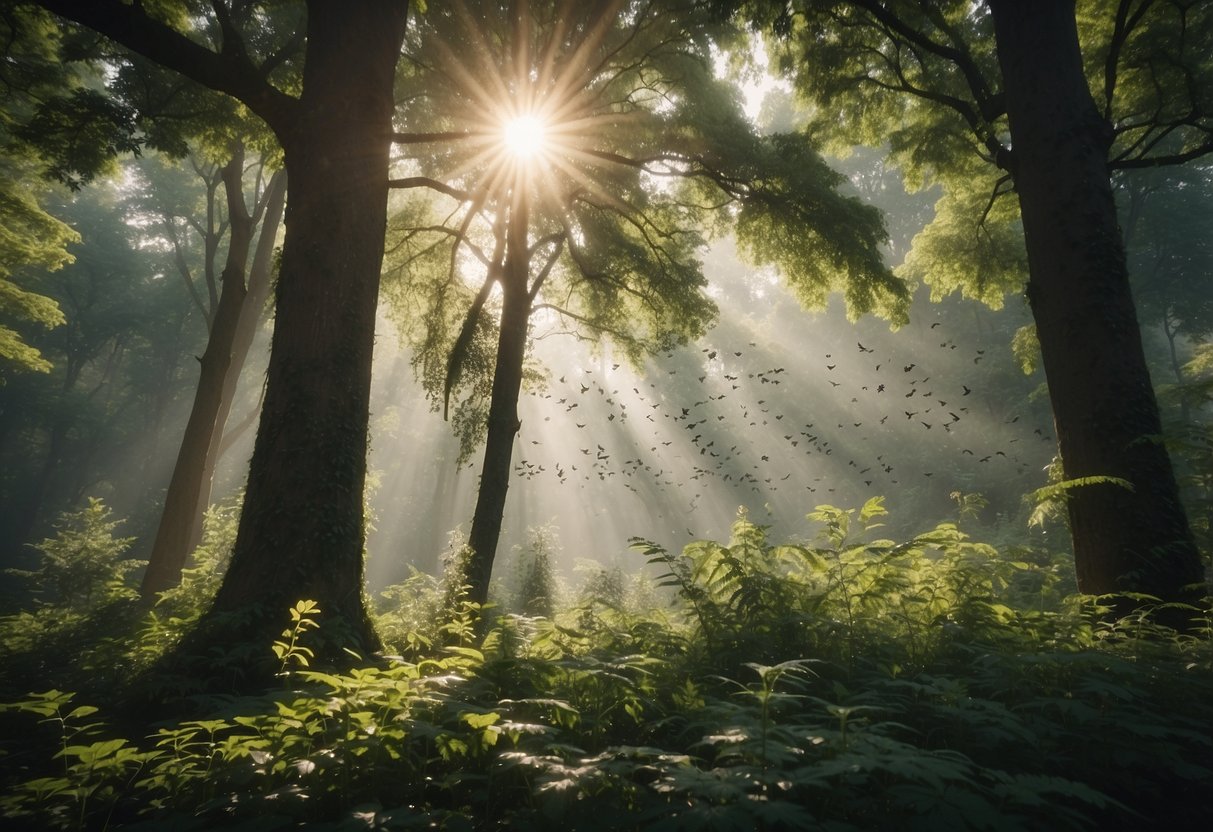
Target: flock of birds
x=713 y=420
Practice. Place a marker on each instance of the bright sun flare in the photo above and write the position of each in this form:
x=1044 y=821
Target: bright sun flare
x=524 y=136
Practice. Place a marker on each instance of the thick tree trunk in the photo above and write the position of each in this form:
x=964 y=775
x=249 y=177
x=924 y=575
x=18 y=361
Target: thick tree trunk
x=301 y=529
x=1103 y=403
x=175 y=533
x=503 y=410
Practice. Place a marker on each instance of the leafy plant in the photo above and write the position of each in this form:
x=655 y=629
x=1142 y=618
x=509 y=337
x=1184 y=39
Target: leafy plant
x=290 y=651
x=912 y=685
x=83 y=566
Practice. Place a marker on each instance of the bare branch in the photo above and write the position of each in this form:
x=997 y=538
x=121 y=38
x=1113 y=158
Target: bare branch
x=1125 y=24
x=454 y=364
x=625 y=337
x=432 y=138
x=1202 y=149
x=995 y=193
x=547 y=268
x=432 y=184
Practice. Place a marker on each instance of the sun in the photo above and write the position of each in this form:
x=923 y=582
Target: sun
x=525 y=136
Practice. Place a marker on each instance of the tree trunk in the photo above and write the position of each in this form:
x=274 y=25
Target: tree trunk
x=1104 y=408
x=503 y=408
x=175 y=533
x=301 y=530
x=251 y=313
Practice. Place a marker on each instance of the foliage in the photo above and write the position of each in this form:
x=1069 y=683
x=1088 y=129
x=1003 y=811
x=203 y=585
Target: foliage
x=900 y=685
x=179 y=608
x=423 y=611
x=201 y=578
x=534 y=591
x=28 y=237
x=650 y=155
x=1050 y=499
x=121 y=359
x=31 y=239
x=83 y=565
x=923 y=80
x=81 y=591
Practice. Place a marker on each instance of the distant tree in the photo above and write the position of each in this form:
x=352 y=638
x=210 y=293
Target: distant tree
x=596 y=229
x=985 y=100
x=535 y=593
x=77 y=131
x=1166 y=215
x=235 y=301
x=83 y=566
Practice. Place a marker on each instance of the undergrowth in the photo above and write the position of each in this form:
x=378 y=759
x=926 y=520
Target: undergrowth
x=849 y=683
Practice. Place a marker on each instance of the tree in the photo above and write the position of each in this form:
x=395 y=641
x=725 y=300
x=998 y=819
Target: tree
x=986 y=100
x=593 y=223
x=235 y=307
x=324 y=87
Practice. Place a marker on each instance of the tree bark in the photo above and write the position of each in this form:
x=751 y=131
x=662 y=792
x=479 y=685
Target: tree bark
x=301 y=530
x=175 y=533
x=503 y=407
x=1104 y=408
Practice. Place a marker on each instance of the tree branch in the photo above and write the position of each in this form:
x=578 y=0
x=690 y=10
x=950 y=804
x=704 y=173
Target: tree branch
x=1120 y=34
x=454 y=364
x=547 y=267
x=986 y=101
x=276 y=59
x=1202 y=149
x=625 y=337
x=429 y=138
x=233 y=74
x=432 y=184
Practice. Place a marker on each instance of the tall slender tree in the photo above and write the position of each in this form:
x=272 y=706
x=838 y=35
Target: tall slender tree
x=237 y=300
x=585 y=148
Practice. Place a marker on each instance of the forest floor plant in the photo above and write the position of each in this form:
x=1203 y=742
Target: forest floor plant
x=846 y=683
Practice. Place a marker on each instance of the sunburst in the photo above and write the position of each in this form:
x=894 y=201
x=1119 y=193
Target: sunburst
x=533 y=122
x=525 y=136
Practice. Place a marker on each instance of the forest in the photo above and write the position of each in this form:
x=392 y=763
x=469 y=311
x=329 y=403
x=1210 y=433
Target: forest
x=606 y=415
